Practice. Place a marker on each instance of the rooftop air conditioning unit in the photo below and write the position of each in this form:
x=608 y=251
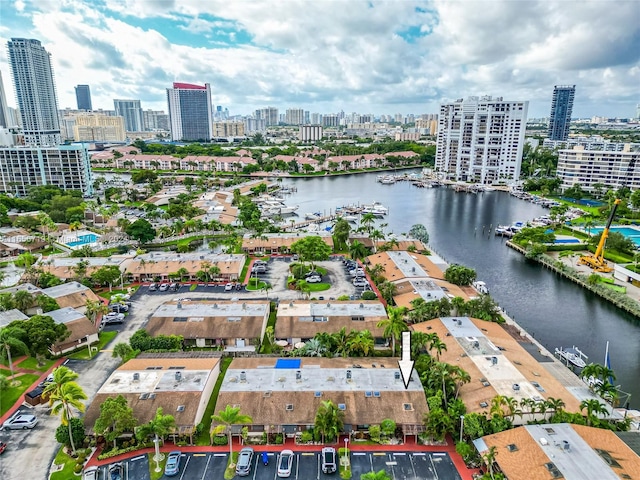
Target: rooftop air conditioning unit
x=178 y=376
x=243 y=376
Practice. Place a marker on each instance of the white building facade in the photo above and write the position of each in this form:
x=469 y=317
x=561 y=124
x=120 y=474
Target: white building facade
x=65 y=166
x=588 y=167
x=481 y=140
x=310 y=133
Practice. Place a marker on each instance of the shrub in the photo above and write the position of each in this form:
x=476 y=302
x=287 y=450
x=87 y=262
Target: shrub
x=368 y=295
x=306 y=437
x=77 y=468
x=220 y=440
x=279 y=439
x=374 y=433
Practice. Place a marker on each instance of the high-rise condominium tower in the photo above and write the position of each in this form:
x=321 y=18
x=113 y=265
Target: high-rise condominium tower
x=481 y=139
x=131 y=111
x=35 y=91
x=83 y=97
x=561 y=107
x=4 y=114
x=190 y=112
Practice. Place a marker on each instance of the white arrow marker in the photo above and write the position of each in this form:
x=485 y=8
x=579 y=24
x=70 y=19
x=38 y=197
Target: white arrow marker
x=406 y=364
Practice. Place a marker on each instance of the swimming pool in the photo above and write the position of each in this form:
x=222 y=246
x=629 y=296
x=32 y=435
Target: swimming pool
x=83 y=240
x=629 y=232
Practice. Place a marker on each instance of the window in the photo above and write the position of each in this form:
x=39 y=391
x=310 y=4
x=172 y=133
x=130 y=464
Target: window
x=484 y=404
x=180 y=408
x=267 y=393
x=407 y=407
x=176 y=368
x=179 y=319
x=368 y=394
x=289 y=407
x=233 y=319
x=512 y=447
x=342 y=406
x=550 y=430
x=376 y=394
x=357 y=319
x=317 y=394
x=144 y=396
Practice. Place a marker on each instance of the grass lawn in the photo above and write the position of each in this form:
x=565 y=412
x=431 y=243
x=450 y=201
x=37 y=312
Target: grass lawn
x=152 y=467
x=592 y=210
x=318 y=287
x=67 y=472
x=204 y=438
x=104 y=339
x=10 y=396
x=31 y=363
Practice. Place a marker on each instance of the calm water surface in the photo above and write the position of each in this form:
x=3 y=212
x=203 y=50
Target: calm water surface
x=557 y=312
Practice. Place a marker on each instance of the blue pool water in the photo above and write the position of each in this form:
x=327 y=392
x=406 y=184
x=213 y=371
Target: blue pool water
x=631 y=233
x=567 y=240
x=83 y=240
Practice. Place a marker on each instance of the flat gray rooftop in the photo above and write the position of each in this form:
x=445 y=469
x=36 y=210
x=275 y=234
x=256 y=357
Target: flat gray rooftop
x=575 y=459
x=8 y=316
x=407 y=264
x=65 y=315
x=141 y=381
x=92 y=261
x=198 y=309
x=190 y=257
x=428 y=290
x=317 y=379
x=64 y=289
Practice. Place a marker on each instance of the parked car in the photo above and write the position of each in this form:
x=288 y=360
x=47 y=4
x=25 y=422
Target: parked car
x=113 y=318
x=115 y=471
x=20 y=421
x=172 y=466
x=239 y=286
x=285 y=464
x=245 y=460
x=357 y=272
x=259 y=269
x=228 y=287
x=359 y=282
x=3 y=447
x=164 y=287
x=311 y=273
x=91 y=473
x=329 y=460
x=314 y=279
x=119 y=297
x=174 y=287
x=153 y=287
x=118 y=307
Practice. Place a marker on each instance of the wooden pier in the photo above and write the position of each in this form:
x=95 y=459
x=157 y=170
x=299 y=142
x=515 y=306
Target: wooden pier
x=322 y=219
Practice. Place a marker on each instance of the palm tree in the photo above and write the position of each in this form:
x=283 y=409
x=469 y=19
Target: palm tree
x=360 y=343
x=438 y=345
x=10 y=340
x=394 y=325
x=341 y=340
x=496 y=405
x=358 y=250
x=593 y=408
x=228 y=417
x=329 y=420
x=367 y=221
x=555 y=404
x=489 y=458
x=23 y=300
x=95 y=308
x=64 y=393
x=159 y=426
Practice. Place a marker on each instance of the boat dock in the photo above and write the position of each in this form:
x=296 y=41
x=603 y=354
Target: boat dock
x=305 y=223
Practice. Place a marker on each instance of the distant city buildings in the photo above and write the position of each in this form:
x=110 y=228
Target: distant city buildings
x=561 y=107
x=228 y=129
x=35 y=91
x=83 y=97
x=131 y=111
x=190 y=112
x=611 y=168
x=65 y=166
x=93 y=127
x=481 y=139
x=294 y=116
x=310 y=133
x=155 y=120
x=269 y=115
x=4 y=114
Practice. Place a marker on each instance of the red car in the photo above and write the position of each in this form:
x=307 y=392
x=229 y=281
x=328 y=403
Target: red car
x=3 y=447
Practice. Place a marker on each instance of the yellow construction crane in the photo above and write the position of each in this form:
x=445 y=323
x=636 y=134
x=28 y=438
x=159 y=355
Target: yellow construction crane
x=596 y=261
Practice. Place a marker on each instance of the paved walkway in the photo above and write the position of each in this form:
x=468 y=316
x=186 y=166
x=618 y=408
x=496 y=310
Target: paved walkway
x=409 y=446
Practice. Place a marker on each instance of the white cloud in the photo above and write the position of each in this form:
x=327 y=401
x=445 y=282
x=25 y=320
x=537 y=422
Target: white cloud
x=351 y=54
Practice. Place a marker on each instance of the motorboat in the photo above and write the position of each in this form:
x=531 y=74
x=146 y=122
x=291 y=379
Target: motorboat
x=572 y=356
x=271 y=208
x=375 y=208
x=481 y=287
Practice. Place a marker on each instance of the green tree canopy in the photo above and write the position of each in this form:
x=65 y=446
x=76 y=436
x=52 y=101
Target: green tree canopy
x=419 y=232
x=311 y=249
x=116 y=417
x=459 y=274
x=40 y=332
x=141 y=230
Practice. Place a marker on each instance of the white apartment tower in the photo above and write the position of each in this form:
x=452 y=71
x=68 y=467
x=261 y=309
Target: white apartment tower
x=481 y=139
x=294 y=116
x=310 y=133
x=35 y=91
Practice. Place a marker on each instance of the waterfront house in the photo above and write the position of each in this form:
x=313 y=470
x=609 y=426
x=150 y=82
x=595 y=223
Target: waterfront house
x=278 y=243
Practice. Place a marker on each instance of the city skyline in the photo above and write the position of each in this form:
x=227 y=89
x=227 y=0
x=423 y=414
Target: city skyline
x=371 y=57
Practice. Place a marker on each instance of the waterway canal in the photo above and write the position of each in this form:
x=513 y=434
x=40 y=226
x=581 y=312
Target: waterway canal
x=556 y=311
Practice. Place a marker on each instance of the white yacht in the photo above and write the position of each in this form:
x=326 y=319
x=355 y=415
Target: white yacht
x=376 y=208
x=481 y=287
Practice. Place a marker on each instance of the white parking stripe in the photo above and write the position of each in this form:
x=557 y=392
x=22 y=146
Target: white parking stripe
x=206 y=467
x=137 y=458
x=184 y=470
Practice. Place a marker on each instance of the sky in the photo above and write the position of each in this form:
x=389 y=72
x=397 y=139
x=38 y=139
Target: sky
x=381 y=57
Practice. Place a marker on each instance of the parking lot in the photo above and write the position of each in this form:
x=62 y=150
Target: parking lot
x=306 y=466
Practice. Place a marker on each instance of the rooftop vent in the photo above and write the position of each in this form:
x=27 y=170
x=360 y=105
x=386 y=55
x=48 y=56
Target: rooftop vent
x=328 y=305
x=136 y=377
x=267 y=393
x=180 y=408
x=396 y=375
x=243 y=376
x=494 y=360
x=244 y=306
x=348 y=374
x=291 y=305
x=289 y=407
x=516 y=387
x=215 y=305
x=342 y=406
x=179 y=305
x=407 y=407
x=362 y=305
x=317 y=394
x=178 y=376
x=566 y=446
x=484 y=404
x=512 y=447
x=298 y=375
